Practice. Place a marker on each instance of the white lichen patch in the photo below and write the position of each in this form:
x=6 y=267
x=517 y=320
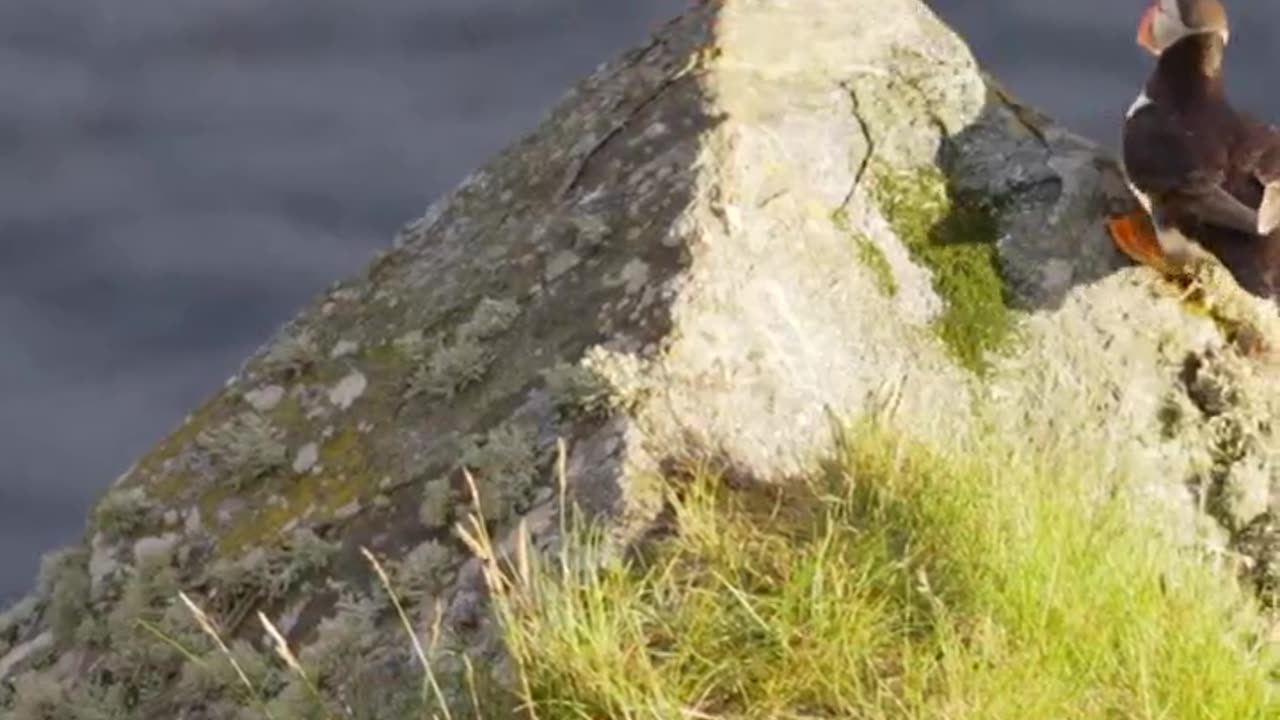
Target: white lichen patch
x=343 y=348
x=18 y=656
x=192 y=524
x=410 y=341
x=348 y=390
x=306 y=458
x=634 y=275
x=561 y=263
x=347 y=511
x=265 y=399
x=148 y=547
x=17 y=617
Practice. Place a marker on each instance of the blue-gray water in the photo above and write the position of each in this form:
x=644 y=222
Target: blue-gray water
x=177 y=177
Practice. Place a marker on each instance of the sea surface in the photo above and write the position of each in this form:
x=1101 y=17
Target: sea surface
x=178 y=177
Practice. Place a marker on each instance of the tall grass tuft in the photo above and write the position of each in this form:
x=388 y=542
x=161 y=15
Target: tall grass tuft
x=903 y=582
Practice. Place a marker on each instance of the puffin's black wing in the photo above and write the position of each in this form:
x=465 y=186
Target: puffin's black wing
x=1182 y=173
x=1258 y=149
x=1257 y=156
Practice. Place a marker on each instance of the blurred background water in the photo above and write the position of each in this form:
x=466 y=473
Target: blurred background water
x=177 y=177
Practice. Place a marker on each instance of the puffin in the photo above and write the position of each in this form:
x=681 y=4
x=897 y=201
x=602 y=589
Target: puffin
x=1206 y=174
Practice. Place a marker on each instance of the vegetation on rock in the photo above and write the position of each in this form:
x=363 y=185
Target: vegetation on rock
x=870 y=256
x=124 y=512
x=906 y=581
x=954 y=235
x=64 y=580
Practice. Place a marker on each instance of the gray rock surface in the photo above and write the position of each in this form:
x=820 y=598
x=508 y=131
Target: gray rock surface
x=771 y=215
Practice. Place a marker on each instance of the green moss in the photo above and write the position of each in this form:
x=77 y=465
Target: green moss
x=347 y=474
x=289 y=414
x=954 y=235
x=869 y=255
x=167 y=484
x=389 y=355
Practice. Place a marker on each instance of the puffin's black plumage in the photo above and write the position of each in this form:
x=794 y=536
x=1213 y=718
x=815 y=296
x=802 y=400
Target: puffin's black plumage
x=1201 y=167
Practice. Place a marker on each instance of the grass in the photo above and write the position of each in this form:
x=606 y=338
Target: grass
x=902 y=581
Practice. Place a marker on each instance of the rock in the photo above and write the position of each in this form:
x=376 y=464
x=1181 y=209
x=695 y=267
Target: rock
x=154 y=547
x=306 y=458
x=191 y=522
x=17 y=620
x=265 y=399
x=102 y=563
x=343 y=348
x=717 y=243
x=16 y=658
x=1247 y=493
x=348 y=390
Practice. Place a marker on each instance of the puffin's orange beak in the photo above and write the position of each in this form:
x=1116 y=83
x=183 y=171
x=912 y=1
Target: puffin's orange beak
x=1147 y=38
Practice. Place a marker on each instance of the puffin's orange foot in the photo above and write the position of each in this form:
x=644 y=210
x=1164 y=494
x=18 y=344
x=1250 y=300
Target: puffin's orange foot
x=1136 y=238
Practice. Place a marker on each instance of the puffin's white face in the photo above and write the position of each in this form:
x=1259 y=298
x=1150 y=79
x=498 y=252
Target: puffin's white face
x=1163 y=24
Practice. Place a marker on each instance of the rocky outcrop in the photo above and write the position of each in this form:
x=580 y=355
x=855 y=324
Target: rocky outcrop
x=770 y=215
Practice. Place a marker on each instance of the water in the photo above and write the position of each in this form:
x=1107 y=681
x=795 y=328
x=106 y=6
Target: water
x=180 y=176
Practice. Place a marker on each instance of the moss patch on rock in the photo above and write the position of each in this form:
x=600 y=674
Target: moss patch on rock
x=869 y=255
x=954 y=235
x=346 y=476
